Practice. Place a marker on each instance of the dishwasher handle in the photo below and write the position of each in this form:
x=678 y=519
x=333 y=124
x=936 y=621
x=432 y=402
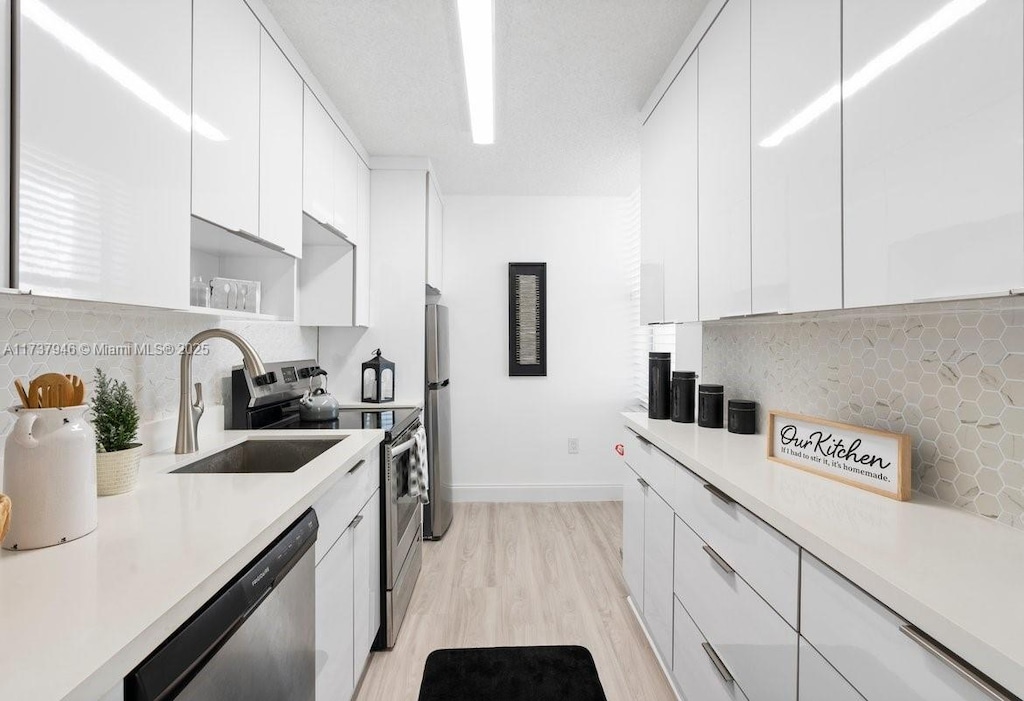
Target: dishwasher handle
x=181 y=656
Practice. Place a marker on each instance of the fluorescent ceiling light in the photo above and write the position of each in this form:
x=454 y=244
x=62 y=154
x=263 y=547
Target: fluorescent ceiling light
x=476 y=22
x=95 y=55
x=948 y=15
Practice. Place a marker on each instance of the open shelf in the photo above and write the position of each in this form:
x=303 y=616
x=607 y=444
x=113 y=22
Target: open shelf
x=235 y=314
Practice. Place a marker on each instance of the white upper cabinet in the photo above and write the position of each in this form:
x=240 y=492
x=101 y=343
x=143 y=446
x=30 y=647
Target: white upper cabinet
x=280 y=149
x=363 y=249
x=668 y=197
x=318 y=144
x=724 y=169
x=435 y=236
x=103 y=183
x=226 y=115
x=346 y=186
x=933 y=149
x=796 y=156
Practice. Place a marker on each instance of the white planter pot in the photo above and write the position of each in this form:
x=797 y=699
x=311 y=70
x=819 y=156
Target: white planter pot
x=118 y=472
x=50 y=476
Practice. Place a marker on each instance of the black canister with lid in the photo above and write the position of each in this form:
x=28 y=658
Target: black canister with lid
x=684 y=396
x=742 y=416
x=710 y=406
x=659 y=389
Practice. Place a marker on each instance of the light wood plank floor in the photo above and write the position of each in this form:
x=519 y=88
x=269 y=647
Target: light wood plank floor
x=523 y=574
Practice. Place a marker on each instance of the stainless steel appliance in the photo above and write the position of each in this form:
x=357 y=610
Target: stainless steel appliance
x=437 y=514
x=255 y=640
x=277 y=406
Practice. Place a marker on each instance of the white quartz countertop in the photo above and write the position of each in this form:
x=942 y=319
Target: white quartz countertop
x=957 y=576
x=75 y=618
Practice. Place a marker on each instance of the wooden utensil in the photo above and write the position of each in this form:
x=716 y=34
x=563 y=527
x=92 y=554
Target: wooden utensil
x=51 y=390
x=77 y=390
x=5 y=516
x=22 y=393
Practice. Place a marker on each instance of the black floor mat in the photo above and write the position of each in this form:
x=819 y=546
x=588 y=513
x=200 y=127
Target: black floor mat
x=555 y=673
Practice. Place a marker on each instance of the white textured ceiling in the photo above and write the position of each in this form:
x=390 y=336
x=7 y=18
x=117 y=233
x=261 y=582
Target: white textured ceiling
x=571 y=77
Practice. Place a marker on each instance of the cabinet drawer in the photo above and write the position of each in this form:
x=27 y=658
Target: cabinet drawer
x=695 y=671
x=654 y=466
x=865 y=642
x=757 y=646
x=336 y=509
x=819 y=681
x=765 y=558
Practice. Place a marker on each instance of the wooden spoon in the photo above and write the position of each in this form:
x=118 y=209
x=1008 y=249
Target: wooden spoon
x=22 y=393
x=77 y=391
x=51 y=389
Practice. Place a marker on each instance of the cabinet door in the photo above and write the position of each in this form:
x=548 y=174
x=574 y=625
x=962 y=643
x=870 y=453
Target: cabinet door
x=226 y=97
x=933 y=161
x=335 y=639
x=318 y=144
x=669 y=193
x=658 y=572
x=796 y=160
x=819 y=681
x=366 y=540
x=633 y=535
x=435 y=236
x=280 y=149
x=346 y=186
x=104 y=151
x=724 y=170
x=363 y=249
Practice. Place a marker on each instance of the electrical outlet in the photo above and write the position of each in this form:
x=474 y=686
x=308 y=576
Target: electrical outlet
x=574 y=446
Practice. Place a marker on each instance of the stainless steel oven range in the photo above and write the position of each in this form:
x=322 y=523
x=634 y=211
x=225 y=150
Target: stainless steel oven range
x=260 y=406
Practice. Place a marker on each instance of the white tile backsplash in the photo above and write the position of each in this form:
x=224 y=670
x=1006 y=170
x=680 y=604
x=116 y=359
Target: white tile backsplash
x=87 y=335
x=950 y=375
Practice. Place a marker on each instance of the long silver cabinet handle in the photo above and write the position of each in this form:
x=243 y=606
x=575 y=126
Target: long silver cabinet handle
x=403 y=447
x=642 y=439
x=954 y=663
x=719 y=494
x=330 y=227
x=355 y=467
x=719 y=665
x=717 y=559
x=643 y=483
x=356 y=521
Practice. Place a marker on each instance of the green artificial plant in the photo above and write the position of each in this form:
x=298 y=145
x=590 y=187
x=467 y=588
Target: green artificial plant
x=115 y=416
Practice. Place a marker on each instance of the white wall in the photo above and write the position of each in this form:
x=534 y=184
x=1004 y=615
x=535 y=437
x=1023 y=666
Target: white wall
x=510 y=435
x=398 y=249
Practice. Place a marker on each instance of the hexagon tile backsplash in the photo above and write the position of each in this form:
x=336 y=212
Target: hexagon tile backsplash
x=951 y=375
x=29 y=325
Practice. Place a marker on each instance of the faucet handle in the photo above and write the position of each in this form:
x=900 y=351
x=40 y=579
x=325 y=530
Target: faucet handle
x=198 y=404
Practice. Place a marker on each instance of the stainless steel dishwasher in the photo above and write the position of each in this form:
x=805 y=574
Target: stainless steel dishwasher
x=254 y=640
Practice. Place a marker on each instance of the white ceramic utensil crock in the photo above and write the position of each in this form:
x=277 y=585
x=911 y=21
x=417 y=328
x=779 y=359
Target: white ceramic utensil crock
x=50 y=476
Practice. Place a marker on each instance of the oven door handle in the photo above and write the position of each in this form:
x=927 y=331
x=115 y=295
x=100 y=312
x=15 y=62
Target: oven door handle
x=403 y=447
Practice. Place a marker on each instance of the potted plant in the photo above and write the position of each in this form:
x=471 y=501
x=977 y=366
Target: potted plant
x=116 y=422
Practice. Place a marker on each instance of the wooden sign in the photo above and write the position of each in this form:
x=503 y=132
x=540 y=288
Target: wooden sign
x=878 y=461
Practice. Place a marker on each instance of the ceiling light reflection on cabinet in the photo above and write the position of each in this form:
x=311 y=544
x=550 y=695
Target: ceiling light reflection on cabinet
x=948 y=15
x=476 y=23
x=95 y=55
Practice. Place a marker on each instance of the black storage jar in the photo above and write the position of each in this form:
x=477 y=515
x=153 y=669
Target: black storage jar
x=659 y=388
x=684 y=396
x=710 y=406
x=742 y=416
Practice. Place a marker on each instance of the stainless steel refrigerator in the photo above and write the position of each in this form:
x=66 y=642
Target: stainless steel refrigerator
x=437 y=515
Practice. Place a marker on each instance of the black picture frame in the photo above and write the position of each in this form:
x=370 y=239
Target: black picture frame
x=535 y=364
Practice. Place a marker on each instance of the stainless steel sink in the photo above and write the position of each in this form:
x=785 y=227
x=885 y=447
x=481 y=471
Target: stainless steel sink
x=262 y=456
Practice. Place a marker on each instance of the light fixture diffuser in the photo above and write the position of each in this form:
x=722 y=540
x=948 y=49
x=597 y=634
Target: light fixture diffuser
x=476 y=23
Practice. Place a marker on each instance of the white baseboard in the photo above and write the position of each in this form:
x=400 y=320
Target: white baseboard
x=536 y=492
x=665 y=669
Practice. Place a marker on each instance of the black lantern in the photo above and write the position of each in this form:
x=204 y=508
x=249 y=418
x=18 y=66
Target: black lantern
x=378 y=379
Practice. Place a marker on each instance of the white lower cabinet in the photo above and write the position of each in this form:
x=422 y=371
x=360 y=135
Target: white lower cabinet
x=658 y=518
x=335 y=621
x=753 y=642
x=347 y=583
x=633 y=535
x=699 y=673
x=819 y=681
x=869 y=645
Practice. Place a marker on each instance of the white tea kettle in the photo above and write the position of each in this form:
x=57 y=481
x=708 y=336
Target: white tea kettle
x=317 y=404
x=50 y=476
